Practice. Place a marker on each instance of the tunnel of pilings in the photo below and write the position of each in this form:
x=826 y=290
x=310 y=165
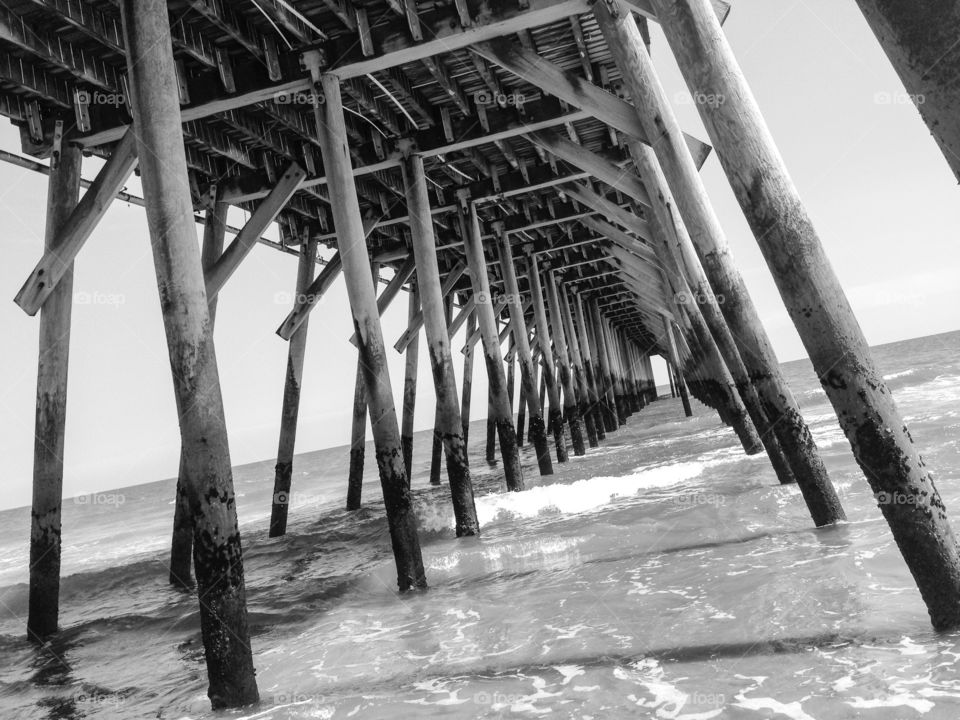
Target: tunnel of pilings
x=514 y=169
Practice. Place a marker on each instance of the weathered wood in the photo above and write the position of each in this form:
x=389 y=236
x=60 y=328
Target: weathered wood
x=291 y=396
x=571 y=408
x=467 y=392
x=358 y=425
x=400 y=278
x=693 y=292
x=217 y=549
x=606 y=389
x=623 y=37
x=676 y=377
x=499 y=409
x=577 y=368
x=546 y=361
x=538 y=433
x=449 y=425
x=75 y=230
x=878 y=435
x=63 y=189
x=575 y=90
x=593 y=400
x=311 y=298
x=920 y=40
x=268 y=209
x=366 y=319
x=410 y=385
x=181 y=543
x=416 y=321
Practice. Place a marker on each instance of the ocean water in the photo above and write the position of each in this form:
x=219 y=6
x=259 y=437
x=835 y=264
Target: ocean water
x=664 y=575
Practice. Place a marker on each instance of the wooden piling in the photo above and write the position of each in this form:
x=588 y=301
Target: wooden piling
x=596 y=412
x=546 y=361
x=571 y=409
x=410 y=385
x=63 y=189
x=499 y=409
x=358 y=425
x=577 y=367
x=605 y=382
x=676 y=376
x=366 y=320
x=878 y=435
x=181 y=544
x=291 y=393
x=217 y=552
x=654 y=112
x=467 y=392
x=538 y=432
x=436 y=318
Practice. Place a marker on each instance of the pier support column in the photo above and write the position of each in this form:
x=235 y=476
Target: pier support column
x=366 y=319
x=538 y=433
x=674 y=366
x=500 y=409
x=570 y=407
x=449 y=426
x=605 y=384
x=291 y=393
x=63 y=190
x=676 y=250
x=546 y=361
x=577 y=367
x=920 y=40
x=217 y=552
x=623 y=37
x=358 y=424
x=410 y=386
x=588 y=366
x=181 y=544
x=819 y=309
x=467 y=393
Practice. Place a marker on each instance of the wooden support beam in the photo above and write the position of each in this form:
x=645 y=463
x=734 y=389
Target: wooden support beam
x=818 y=306
x=416 y=322
x=386 y=432
x=919 y=39
x=181 y=542
x=571 y=409
x=611 y=417
x=400 y=277
x=576 y=366
x=593 y=399
x=599 y=167
x=467 y=385
x=675 y=362
x=500 y=410
x=538 y=434
x=218 y=553
x=549 y=372
x=623 y=36
x=410 y=385
x=449 y=426
x=358 y=426
x=291 y=396
x=63 y=189
x=443 y=32
x=76 y=230
x=217 y=276
x=573 y=89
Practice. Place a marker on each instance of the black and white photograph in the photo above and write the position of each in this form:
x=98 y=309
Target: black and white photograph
x=388 y=359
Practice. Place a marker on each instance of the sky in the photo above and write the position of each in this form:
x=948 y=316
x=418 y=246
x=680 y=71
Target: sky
x=879 y=192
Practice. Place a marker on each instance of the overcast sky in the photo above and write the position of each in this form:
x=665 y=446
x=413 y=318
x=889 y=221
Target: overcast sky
x=880 y=194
